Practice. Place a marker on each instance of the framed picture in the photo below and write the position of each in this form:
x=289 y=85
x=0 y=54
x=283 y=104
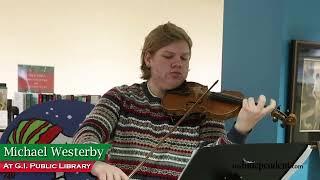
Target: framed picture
x=304 y=98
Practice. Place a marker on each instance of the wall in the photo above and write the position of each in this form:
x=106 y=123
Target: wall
x=252 y=55
x=255 y=56
x=95 y=45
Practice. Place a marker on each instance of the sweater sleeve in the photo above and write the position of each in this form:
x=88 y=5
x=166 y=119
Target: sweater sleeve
x=236 y=137
x=101 y=121
x=213 y=132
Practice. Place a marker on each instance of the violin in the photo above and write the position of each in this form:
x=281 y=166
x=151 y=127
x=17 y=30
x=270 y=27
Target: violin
x=217 y=106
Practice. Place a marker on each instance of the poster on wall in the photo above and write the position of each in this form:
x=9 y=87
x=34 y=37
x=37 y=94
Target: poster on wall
x=35 y=79
x=310 y=96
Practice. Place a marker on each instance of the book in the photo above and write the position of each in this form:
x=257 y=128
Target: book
x=23 y=100
x=3 y=96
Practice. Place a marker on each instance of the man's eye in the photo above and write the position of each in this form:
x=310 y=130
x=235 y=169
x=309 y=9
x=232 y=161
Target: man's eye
x=185 y=58
x=167 y=57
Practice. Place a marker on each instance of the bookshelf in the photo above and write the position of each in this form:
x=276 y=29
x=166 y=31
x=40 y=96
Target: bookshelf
x=23 y=101
x=12 y=111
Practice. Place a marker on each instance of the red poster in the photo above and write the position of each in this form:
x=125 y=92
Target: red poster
x=35 y=79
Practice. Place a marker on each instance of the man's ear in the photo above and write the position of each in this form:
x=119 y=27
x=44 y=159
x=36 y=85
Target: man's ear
x=147 y=59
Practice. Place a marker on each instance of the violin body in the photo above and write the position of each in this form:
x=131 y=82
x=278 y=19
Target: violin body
x=178 y=101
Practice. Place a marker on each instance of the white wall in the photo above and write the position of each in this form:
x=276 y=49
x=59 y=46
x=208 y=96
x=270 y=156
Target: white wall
x=95 y=45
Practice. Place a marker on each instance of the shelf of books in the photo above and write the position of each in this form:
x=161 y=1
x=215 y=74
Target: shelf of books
x=3 y=107
x=36 y=86
x=24 y=100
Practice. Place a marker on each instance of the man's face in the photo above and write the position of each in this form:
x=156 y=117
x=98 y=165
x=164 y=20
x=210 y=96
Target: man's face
x=169 y=65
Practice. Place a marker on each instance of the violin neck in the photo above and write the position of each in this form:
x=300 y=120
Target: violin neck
x=226 y=97
x=275 y=114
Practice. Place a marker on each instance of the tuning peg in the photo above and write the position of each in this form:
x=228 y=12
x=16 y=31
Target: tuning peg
x=279 y=107
x=274 y=119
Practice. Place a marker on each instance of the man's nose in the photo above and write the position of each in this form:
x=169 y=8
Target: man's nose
x=177 y=62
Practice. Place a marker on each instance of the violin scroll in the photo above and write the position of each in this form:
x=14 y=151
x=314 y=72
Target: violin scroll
x=290 y=119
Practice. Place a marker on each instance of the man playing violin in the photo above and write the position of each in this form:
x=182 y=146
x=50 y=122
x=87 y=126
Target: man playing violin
x=132 y=119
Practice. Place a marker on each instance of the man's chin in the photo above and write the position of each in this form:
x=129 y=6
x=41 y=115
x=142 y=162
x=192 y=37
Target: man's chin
x=174 y=85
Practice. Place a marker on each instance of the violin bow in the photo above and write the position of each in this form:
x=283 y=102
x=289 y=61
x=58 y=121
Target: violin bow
x=170 y=131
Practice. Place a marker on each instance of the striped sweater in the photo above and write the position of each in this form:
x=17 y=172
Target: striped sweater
x=133 y=121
